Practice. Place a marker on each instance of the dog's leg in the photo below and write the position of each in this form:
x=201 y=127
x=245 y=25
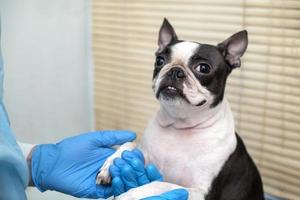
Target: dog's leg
x=103 y=176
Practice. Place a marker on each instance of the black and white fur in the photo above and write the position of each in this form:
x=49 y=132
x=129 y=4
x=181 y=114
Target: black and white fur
x=192 y=139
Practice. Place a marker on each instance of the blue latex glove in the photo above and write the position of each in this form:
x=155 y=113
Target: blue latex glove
x=13 y=167
x=71 y=166
x=129 y=172
x=178 y=194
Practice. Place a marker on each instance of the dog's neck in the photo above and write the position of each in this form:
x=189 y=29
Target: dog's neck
x=181 y=116
x=205 y=134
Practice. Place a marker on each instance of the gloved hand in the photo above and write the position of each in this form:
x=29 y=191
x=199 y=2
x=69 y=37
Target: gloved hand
x=177 y=194
x=71 y=166
x=129 y=172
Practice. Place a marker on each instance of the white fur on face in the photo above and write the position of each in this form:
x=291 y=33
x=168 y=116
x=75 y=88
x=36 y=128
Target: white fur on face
x=183 y=51
x=195 y=92
x=192 y=89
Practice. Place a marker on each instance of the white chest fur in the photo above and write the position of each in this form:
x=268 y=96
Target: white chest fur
x=191 y=156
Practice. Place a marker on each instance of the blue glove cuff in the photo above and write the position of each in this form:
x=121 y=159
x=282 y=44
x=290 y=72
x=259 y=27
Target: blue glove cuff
x=44 y=158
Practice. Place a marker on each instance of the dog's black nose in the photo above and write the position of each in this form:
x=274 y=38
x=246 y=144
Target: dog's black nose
x=176 y=73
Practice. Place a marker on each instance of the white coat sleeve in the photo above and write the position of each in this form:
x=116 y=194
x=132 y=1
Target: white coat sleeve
x=25 y=148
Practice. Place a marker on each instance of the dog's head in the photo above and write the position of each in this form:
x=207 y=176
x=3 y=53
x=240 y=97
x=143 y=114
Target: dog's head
x=192 y=73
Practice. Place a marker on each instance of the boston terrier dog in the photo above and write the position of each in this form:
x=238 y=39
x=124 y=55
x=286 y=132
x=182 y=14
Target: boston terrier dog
x=192 y=138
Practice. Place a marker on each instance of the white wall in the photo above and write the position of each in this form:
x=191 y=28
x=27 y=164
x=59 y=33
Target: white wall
x=47 y=71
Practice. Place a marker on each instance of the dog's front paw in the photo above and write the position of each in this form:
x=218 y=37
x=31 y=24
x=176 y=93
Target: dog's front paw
x=103 y=176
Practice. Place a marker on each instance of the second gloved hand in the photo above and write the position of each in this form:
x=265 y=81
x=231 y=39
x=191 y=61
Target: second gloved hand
x=71 y=165
x=129 y=172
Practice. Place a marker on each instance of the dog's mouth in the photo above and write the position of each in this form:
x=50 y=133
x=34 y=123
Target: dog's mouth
x=201 y=103
x=172 y=91
x=169 y=91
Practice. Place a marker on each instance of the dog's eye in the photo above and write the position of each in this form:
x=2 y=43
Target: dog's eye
x=203 y=68
x=160 y=61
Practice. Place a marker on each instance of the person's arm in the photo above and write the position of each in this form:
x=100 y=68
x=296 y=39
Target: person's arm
x=13 y=169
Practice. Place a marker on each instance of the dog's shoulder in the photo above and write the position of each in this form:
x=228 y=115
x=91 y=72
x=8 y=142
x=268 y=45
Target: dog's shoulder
x=239 y=178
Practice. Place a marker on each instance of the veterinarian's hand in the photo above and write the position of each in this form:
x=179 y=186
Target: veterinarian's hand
x=178 y=194
x=71 y=166
x=129 y=172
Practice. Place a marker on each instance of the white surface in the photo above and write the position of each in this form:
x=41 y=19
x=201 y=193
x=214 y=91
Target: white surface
x=47 y=71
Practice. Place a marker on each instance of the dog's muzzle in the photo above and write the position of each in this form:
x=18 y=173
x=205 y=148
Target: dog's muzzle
x=171 y=85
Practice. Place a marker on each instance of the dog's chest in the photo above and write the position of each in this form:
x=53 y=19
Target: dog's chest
x=191 y=157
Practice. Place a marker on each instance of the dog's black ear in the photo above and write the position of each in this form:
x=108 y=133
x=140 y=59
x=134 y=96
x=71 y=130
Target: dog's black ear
x=234 y=47
x=166 y=35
